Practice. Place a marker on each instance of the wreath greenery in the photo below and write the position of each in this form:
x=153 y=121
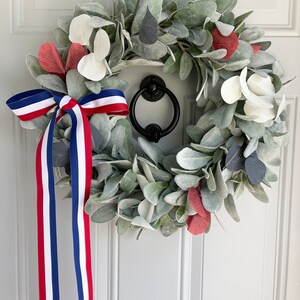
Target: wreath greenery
x=233 y=143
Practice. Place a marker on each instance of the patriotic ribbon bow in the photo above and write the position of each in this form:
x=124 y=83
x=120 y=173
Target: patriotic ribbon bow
x=30 y=105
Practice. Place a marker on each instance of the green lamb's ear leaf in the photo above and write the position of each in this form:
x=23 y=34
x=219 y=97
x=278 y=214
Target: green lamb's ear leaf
x=240 y=19
x=251 y=147
x=64 y=23
x=98 y=22
x=171 y=66
x=195 y=13
x=268 y=155
x=154 y=7
x=128 y=182
x=34 y=67
x=252 y=34
x=61 y=37
x=176 y=198
x=153 y=151
x=92 y=9
x=231 y=208
x=215 y=137
x=186 y=66
x=105 y=213
x=111 y=187
x=261 y=58
x=153 y=190
x=122 y=226
x=225 y=5
x=211 y=201
x=154 y=51
x=221 y=189
x=76 y=85
x=114 y=82
x=178 y=29
x=101 y=131
x=192 y=160
x=257 y=191
x=223 y=115
x=198 y=36
x=186 y=181
x=149 y=31
x=53 y=83
x=94 y=87
x=252 y=129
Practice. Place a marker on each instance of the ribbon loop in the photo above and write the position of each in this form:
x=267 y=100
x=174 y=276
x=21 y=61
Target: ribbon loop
x=35 y=103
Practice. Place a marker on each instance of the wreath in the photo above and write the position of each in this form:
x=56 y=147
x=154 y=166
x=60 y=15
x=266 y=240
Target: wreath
x=234 y=142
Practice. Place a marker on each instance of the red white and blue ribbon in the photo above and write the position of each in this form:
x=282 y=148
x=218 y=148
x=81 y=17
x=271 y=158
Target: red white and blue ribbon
x=30 y=105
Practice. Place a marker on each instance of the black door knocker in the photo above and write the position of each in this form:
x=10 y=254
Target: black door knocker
x=153 y=88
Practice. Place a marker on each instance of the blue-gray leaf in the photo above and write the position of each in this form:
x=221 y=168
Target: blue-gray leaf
x=235 y=159
x=255 y=169
x=60 y=154
x=149 y=30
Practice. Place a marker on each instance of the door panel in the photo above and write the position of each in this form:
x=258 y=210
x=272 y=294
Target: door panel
x=256 y=259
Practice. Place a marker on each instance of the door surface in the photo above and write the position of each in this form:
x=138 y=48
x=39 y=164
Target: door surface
x=257 y=259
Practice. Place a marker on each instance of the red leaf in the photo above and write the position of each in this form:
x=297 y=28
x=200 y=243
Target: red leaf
x=196 y=202
x=50 y=60
x=230 y=43
x=76 y=53
x=256 y=48
x=197 y=224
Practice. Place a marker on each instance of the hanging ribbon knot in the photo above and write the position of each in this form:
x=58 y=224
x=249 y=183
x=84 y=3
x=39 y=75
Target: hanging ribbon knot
x=35 y=103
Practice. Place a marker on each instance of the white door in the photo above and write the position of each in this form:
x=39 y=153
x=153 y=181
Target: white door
x=256 y=259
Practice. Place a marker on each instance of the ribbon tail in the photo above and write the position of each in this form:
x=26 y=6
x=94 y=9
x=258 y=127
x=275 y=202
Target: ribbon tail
x=46 y=215
x=81 y=173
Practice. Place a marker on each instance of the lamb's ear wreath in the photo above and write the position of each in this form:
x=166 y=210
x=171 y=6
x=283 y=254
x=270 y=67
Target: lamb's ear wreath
x=233 y=144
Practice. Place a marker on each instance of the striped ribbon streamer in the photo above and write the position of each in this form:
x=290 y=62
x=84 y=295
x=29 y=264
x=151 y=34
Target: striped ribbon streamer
x=35 y=103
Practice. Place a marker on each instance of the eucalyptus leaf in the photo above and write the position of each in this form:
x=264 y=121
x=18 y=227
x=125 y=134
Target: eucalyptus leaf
x=64 y=22
x=104 y=214
x=191 y=160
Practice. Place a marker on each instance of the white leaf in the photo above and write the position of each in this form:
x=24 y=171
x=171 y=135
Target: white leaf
x=265 y=101
x=231 y=90
x=259 y=114
x=281 y=106
x=261 y=86
x=80 y=30
x=225 y=29
x=92 y=68
x=101 y=44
